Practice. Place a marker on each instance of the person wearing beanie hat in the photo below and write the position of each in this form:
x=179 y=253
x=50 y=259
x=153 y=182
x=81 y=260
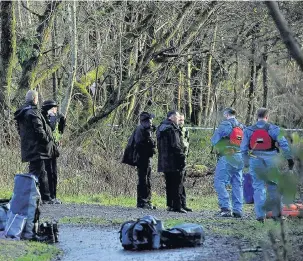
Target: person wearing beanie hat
x=49 y=111
x=36 y=140
x=145 y=149
x=139 y=152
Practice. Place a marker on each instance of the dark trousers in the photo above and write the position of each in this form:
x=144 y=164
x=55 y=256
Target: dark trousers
x=52 y=175
x=144 y=186
x=174 y=189
x=37 y=168
x=183 y=195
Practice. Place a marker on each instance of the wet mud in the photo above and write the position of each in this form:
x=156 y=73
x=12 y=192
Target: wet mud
x=97 y=243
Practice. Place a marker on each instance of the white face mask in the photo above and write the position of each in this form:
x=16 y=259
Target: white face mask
x=52 y=111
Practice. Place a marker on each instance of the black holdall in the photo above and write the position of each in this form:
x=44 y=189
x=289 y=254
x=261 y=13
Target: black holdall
x=183 y=235
x=143 y=234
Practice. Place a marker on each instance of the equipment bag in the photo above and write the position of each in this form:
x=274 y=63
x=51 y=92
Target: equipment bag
x=14 y=226
x=4 y=207
x=48 y=232
x=260 y=139
x=25 y=202
x=130 y=154
x=142 y=234
x=248 y=191
x=183 y=235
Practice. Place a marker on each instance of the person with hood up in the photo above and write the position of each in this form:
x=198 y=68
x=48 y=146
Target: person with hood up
x=171 y=160
x=36 y=141
x=144 y=147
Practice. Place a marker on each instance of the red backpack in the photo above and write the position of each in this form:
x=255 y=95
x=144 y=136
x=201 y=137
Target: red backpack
x=236 y=136
x=260 y=139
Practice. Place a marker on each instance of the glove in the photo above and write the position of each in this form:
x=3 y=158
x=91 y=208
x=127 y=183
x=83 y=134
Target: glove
x=182 y=162
x=291 y=164
x=62 y=124
x=153 y=128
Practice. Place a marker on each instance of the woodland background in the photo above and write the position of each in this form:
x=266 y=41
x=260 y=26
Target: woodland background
x=106 y=61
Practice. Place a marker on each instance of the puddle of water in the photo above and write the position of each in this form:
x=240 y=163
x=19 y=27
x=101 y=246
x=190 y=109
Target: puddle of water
x=103 y=244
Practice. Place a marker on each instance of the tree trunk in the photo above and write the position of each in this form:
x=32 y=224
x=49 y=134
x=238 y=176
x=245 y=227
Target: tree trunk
x=54 y=44
x=209 y=83
x=252 y=84
x=8 y=49
x=265 y=86
x=196 y=116
x=72 y=10
x=30 y=67
x=189 y=108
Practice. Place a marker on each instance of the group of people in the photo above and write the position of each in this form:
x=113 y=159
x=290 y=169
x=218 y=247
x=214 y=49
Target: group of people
x=40 y=132
x=172 y=144
x=254 y=147
x=237 y=146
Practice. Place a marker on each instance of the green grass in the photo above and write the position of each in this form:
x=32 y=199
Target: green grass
x=197 y=203
x=26 y=251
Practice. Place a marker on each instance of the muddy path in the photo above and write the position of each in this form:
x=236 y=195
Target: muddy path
x=94 y=243
x=101 y=242
x=120 y=213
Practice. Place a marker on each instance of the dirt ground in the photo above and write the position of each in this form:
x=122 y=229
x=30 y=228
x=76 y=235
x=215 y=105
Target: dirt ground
x=101 y=242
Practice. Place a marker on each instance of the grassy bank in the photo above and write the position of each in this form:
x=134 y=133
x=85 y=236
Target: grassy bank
x=26 y=251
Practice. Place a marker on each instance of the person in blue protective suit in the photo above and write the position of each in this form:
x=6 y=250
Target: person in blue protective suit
x=259 y=153
x=227 y=139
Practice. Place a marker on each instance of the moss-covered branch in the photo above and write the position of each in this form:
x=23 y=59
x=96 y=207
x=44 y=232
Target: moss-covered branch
x=81 y=86
x=56 y=66
x=30 y=67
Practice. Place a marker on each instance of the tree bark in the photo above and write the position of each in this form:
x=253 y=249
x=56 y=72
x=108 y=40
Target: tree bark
x=72 y=9
x=29 y=67
x=252 y=84
x=8 y=49
x=264 y=70
x=286 y=33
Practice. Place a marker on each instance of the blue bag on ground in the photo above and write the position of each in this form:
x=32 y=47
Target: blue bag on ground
x=14 y=226
x=4 y=207
x=142 y=234
x=248 y=191
x=25 y=203
x=183 y=235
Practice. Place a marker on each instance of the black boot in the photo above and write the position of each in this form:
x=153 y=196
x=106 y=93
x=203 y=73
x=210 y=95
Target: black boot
x=56 y=232
x=46 y=230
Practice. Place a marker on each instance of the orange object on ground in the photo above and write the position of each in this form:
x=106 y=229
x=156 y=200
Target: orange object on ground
x=291 y=210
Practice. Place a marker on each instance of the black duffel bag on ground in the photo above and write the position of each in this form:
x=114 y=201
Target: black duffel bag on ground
x=183 y=235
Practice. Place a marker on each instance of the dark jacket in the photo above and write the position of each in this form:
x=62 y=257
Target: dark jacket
x=52 y=126
x=171 y=154
x=35 y=134
x=144 y=145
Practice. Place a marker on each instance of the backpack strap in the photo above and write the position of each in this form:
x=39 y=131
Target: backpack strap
x=179 y=229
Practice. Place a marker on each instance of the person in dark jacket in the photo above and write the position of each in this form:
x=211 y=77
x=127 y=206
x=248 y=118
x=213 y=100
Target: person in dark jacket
x=36 y=141
x=171 y=160
x=49 y=111
x=144 y=149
